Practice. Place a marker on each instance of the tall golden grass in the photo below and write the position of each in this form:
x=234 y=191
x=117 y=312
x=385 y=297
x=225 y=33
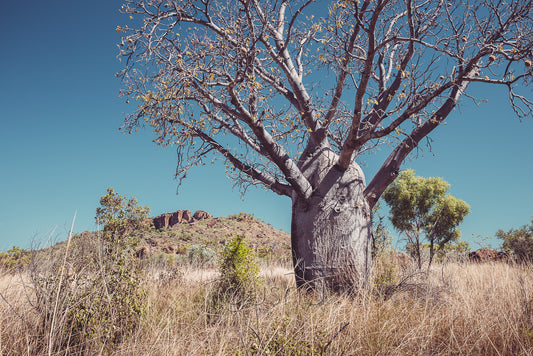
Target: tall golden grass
x=455 y=309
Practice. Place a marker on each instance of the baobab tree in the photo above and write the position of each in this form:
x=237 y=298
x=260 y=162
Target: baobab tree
x=291 y=93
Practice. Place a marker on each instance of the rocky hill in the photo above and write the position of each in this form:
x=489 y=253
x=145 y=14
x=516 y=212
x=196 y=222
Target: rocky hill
x=201 y=229
x=181 y=232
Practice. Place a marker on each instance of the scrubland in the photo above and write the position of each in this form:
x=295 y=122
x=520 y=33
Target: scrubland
x=454 y=309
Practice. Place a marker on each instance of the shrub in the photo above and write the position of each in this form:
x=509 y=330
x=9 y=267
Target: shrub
x=241 y=217
x=518 y=242
x=385 y=272
x=14 y=259
x=239 y=274
x=92 y=295
x=200 y=255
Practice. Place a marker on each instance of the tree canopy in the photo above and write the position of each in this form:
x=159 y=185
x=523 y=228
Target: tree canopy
x=420 y=207
x=519 y=242
x=119 y=213
x=263 y=84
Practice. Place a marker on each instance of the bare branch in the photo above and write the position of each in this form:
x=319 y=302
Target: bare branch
x=280 y=80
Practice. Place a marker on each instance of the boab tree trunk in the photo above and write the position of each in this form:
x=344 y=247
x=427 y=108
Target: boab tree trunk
x=331 y=231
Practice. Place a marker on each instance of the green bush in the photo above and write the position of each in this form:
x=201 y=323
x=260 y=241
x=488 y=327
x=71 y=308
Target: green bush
x=200 y=255
x=90 y=291
x=519 y=242
x=14 y=259
x=239 y=274
x=111 y=306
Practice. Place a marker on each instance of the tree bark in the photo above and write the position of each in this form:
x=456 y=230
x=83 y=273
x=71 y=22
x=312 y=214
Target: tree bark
x=331 y=230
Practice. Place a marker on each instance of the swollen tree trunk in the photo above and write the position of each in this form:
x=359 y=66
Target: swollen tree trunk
x=331 y=230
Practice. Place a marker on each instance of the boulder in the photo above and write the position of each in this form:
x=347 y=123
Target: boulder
x=162 y=221
x=180 y=217
x=488 y=255
x=170 y=219
x=200 y=215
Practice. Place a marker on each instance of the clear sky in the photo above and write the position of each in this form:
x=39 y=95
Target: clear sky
x=60 y=147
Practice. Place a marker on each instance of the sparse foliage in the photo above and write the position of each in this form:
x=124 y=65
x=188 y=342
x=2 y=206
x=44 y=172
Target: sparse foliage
x=421 y=208
x=519 y=242
x=91 y=295
x=291 y=93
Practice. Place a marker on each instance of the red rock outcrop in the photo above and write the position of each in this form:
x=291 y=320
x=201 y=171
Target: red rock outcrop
x=488 y=255
x=179 y=217
x=201 y=215
x=170 y=219
x=162 y=221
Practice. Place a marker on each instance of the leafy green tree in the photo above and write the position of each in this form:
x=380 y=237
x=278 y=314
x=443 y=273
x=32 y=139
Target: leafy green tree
x=420 y=208
x=120 y=215
x=518 y=241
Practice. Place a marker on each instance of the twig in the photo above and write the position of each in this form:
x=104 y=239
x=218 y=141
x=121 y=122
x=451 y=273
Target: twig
x=334 y=336
x=59 y=286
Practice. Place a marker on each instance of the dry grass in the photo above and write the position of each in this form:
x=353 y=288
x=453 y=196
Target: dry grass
x=474 y=309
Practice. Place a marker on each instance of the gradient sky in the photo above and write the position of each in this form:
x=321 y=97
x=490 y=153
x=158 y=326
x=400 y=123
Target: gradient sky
x=60 y=147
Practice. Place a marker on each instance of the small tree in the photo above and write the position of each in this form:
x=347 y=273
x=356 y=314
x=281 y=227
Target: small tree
x=110 y=307
x=239 y=276
x=238 y=268
x=121 y=216
x=89 y=290
x=421 y=207
x=518 y=241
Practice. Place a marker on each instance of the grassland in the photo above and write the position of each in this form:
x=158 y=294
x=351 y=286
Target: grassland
x=455 y=309
x=474 y=309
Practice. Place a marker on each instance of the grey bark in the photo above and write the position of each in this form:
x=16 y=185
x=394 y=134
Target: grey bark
x=331 y=230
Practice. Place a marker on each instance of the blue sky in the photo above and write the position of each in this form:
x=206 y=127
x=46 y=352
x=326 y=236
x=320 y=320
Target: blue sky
x=60 y=147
